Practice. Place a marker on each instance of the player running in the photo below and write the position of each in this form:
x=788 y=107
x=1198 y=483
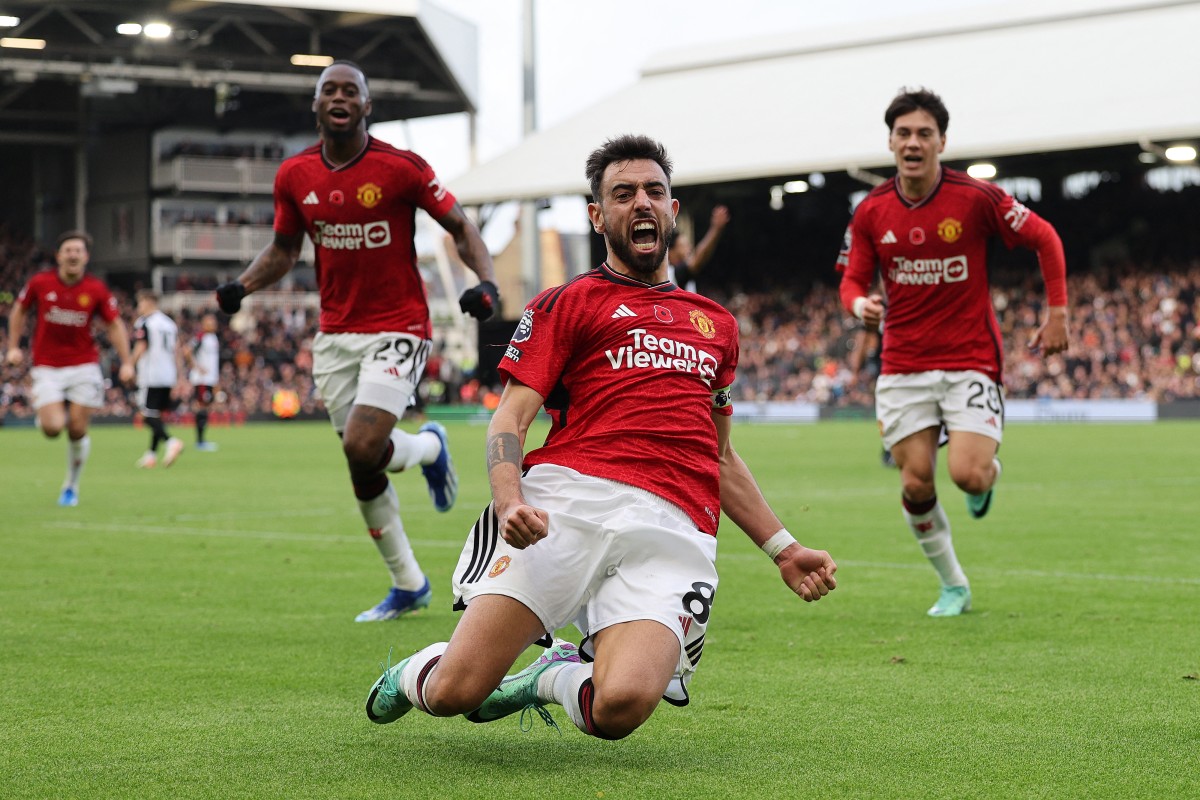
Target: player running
x=356 y=198
x=926 y=232
x=67 y=383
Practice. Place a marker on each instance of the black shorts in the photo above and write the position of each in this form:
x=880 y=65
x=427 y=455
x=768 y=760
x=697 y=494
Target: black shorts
x=155 y=399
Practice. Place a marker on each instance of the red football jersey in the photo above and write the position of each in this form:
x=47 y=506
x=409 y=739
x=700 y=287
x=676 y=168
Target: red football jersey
x=361 y=217
x=628 y=371
x=62 y=336
x=932 y=255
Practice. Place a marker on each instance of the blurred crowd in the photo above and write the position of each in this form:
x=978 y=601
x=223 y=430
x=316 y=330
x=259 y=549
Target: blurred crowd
x=1135 y=334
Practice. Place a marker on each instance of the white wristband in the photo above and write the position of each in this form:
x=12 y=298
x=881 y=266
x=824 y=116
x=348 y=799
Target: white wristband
x=778 y=542
x=858 y=305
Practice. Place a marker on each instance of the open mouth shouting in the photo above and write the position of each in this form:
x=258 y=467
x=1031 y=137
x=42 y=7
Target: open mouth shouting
x=644 y=237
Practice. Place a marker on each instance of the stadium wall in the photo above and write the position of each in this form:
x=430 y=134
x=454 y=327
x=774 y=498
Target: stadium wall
x=1019 y=411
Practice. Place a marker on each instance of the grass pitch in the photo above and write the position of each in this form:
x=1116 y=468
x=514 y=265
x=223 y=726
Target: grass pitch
x=187 y=632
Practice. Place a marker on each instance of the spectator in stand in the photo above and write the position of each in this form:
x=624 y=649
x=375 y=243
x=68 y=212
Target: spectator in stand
x=686 y=262
x=67 y=382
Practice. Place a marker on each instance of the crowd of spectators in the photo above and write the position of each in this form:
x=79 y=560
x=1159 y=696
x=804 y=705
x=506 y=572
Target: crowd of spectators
x=1135 y=334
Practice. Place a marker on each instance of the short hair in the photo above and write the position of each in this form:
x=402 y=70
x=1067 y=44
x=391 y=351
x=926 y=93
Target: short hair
x=921 y=99
x=147 y=294
x=628 y=147
x=345 y=62
x=81 y=235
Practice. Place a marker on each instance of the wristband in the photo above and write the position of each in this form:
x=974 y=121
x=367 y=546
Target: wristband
x=857 y=306
x=778 y=542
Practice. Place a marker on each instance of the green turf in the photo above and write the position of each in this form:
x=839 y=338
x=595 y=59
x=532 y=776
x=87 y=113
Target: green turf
x=187 y=632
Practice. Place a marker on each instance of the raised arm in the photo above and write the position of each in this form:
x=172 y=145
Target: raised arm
x=708 y=245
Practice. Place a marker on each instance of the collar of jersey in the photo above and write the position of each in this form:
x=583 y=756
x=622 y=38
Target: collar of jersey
x=346 y=164
x=914 y=204
x=610 y=274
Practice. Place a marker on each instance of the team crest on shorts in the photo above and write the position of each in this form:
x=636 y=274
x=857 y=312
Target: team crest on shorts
x=501 y=564
x=702 y=323
x=949 y=229
x=369 y=195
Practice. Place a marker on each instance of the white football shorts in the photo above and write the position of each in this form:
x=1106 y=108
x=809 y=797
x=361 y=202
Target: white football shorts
x=81 y=384
x=963 y=401
x=614 y=553
x=380 y=370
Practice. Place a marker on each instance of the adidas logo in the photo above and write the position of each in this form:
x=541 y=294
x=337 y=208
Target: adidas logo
x=622 y=311
x=310 y=199
x=888 y=238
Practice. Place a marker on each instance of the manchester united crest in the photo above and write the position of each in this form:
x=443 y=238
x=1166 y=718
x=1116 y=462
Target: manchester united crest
x=702 y=323
x=501 y=564
x=369 y=195
x=949 y=230
x=84 y=300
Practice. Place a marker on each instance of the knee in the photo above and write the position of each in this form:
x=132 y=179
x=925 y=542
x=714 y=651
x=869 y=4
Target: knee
x=974 y=479
x=362 y=455
x=620 y=711
x=447 y=698
x=917 y=487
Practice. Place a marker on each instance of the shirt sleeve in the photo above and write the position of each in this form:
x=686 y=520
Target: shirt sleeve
x=1018 y=225
x=26 y=297
x=856 y=262
x=288 y=221
x=542 y=344
x=722 y=383
x=107 y=306
x=432 y=194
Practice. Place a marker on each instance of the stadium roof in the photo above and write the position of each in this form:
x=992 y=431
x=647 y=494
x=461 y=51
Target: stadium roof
x=224 y=64
x=1023 y=77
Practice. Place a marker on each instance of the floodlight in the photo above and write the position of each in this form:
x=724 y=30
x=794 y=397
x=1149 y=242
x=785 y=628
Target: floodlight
x=156 y=30
x=307 y=60
x=129 y=28
x=23 y=44
x=1180 y=153
x=982 y=171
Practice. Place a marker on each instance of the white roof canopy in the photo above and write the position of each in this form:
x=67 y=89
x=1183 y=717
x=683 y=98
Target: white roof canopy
x=1020 y=78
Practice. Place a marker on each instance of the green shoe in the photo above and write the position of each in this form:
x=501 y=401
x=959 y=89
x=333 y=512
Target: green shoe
x=518 y=692
x=387 y=702
x=953 y=601
x=978 y=504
